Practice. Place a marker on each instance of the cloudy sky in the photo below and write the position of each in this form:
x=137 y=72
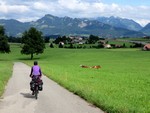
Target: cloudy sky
x=31 y=10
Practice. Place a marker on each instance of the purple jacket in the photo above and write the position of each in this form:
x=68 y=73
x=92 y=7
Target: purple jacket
x=36 y=71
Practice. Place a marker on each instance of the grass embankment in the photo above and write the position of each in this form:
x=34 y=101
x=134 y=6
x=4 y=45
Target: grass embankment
x=5 y=73
x=121 y=85
x=6 y=66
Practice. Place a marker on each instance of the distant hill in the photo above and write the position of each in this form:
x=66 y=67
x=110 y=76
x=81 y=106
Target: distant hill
x=14 y=27
x=120 y=22
x=53 y=25
x=146 y=29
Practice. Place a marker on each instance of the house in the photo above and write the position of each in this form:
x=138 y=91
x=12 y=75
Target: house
x=108 y=46
x=77 y=40
x=102 y=42
x=146 y=47
x=62 y=43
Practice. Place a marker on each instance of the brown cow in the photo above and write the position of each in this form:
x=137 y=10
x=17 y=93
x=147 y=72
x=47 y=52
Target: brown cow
x=96 y=67
x=83 y=66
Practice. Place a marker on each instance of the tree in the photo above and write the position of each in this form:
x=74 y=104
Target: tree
x=2 y=30
x=71 y=45
x=58 y=40
x=46 y=38
x=60 y=45
x=33 y=42
x=4 y=46
x=93 y=39
x=51 y=45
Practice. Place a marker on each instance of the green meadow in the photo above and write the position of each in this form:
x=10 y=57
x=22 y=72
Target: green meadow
x=122 y=85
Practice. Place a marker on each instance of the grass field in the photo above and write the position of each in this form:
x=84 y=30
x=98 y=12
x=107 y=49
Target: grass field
x=5 y=70
x=122 y=85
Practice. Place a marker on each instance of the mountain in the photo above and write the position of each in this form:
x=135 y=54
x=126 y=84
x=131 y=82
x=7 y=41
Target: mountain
x=146 y=29
x=50 y=24
x=53 y=25
x=14 y=27
x=120 y=22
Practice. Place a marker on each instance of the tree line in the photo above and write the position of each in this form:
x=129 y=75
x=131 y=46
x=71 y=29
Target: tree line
x=32 y=41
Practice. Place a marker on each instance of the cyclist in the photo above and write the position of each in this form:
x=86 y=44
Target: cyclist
x=35 y=73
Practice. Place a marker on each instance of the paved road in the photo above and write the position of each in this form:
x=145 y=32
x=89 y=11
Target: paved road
x=53 y=99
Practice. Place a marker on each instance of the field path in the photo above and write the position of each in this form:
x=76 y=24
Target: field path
x=53 y=99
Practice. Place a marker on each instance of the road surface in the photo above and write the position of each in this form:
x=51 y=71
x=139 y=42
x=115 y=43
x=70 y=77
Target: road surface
x=53 y=99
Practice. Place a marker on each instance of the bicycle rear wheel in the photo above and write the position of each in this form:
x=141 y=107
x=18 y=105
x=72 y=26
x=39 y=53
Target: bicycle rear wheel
x=36 y=92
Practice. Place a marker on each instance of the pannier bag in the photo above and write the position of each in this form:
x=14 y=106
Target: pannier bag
x=40 y=85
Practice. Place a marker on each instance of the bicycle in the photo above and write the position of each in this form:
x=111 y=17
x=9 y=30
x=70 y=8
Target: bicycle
x=36 y=86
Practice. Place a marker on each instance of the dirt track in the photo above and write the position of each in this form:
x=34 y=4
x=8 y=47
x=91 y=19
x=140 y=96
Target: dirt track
x=53 y=99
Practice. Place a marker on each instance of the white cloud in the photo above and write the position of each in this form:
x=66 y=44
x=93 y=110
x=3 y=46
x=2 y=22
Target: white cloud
x=40 y=6
x=27 y=19
x=73 y=5
x=30 y=10
x=6 y=8
x=143 y=22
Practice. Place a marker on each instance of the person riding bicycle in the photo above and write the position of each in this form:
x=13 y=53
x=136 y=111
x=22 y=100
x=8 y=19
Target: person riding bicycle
x=35 y=73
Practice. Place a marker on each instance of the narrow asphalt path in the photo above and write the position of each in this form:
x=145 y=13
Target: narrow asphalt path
x=53 y=99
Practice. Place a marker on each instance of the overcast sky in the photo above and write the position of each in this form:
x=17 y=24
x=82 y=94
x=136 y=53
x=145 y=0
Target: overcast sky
x=31 y=10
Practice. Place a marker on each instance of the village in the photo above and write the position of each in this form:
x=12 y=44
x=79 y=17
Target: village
x=96 y=42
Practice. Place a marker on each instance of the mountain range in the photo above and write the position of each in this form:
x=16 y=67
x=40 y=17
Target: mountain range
x=102 y=26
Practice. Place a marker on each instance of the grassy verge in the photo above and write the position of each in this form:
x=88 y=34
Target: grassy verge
x=122 y=84
x=5 y=70
x=6 y=65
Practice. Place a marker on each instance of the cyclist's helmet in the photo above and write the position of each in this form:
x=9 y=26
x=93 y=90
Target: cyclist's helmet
x=35 y=63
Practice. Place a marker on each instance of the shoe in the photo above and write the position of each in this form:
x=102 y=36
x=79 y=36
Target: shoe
x=33 y=93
